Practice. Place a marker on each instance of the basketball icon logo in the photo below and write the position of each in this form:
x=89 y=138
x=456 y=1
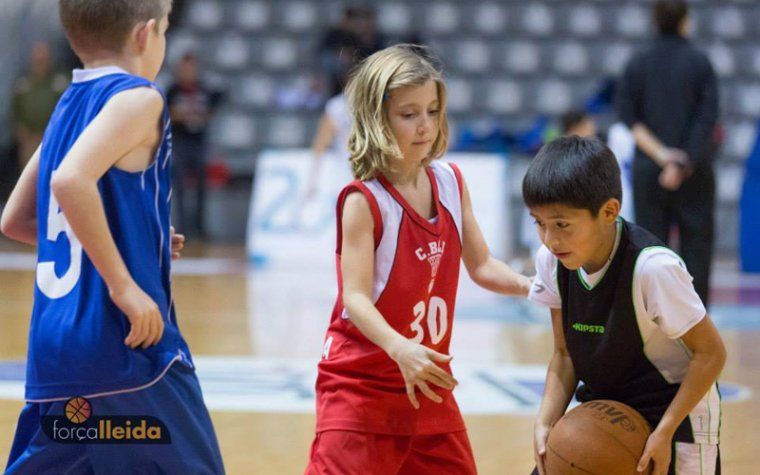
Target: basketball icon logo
x=78 y=410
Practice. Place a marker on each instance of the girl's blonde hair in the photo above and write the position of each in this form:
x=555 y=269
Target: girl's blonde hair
x=371 y=144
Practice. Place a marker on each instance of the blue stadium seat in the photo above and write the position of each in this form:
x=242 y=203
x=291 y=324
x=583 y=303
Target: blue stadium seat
x=442 y=18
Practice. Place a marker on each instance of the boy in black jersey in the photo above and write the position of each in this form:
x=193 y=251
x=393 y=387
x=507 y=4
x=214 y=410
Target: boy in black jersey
x=627 y=321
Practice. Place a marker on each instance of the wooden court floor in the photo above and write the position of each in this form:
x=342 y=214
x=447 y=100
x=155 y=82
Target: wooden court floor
x=236 y=313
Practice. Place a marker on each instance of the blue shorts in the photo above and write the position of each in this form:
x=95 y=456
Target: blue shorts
x=175 y=400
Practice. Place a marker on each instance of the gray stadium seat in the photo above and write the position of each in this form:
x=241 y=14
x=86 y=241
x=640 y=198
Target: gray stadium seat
x=442 y=18
x=490 y=19
x=740 y=136
x=504 y=97
x=252 y=15
x=232 y=52
x=255 y=90
x=727 y=23
x=615 y=57
x=553 y=97
x=585 y=21
x=747 y=99
x=234 y=130
x=460 y=94
x=472 y=55
x=537 y=19
x=286 y=131
x=633 y=21
x=394 y=17
x=571 y=59
x=522 y=57
x=722 y=58
x=206 y=15
x=299 y=16
x=279 y=53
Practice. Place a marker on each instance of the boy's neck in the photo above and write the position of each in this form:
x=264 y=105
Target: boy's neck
x=132 y=66
x=604 y=255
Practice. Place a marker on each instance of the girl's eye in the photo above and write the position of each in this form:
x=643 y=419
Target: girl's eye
x=562 y=225
x=408 y=116
x=434 y=112
x=537 y=223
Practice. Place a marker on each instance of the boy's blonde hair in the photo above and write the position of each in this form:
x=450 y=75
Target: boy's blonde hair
x=371 y=144
x=93 y=25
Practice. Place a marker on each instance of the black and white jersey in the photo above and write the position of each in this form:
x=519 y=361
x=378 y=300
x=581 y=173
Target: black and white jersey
x=623 y=327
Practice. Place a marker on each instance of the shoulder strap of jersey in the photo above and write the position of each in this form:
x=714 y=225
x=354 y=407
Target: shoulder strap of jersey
x=357 y=186
x=458 y=175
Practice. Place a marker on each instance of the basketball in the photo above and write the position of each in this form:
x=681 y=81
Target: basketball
x=598 y=437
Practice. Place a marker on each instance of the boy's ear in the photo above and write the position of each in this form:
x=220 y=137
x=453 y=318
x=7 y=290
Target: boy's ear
x=610 y=210
x=142 y=33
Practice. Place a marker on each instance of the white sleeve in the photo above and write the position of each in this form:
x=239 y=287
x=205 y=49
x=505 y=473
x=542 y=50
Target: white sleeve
x=335 y=109
x=544 y=289
x=666 y=292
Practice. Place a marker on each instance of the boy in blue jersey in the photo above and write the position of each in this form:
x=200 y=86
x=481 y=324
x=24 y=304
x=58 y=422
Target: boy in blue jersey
x=95 y=200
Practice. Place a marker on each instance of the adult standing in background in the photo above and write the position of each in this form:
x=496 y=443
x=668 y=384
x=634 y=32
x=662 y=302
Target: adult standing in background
x=191 y=104
x=668 y=96
x=35 y=95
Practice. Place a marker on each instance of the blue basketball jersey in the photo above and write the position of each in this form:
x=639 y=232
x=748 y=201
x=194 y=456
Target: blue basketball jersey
x=76 y=341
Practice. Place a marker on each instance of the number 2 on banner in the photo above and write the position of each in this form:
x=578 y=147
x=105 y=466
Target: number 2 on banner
x=50 y=284
x=437 y=320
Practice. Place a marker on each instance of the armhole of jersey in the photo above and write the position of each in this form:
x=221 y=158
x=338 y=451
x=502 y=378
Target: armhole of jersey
x=458 y=175
x=353 y=187
x=165 y=129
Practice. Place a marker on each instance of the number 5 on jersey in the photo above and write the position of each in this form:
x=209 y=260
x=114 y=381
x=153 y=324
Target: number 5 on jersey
x=49 y=283
x=437 y=320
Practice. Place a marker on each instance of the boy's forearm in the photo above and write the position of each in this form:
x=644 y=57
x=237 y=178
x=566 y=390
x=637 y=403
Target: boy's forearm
x=81 y=203
x=703 y=371
x=558 y=392
x=496 y=276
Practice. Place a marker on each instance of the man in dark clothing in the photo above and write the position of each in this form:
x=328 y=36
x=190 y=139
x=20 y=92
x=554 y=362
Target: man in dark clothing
x=668 y=96
x=190 y=104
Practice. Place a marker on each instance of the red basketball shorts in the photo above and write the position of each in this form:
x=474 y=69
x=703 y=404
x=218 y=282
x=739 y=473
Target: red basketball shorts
x=338 y=452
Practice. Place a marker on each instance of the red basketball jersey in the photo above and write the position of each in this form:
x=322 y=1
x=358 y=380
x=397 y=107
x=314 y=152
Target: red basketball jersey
x=359 y=387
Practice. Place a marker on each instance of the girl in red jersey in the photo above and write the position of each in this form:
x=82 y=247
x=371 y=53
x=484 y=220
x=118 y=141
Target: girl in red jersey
x=384 y=389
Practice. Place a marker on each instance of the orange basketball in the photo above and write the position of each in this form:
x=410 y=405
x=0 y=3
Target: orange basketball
x=78 y=410
x=598 y=437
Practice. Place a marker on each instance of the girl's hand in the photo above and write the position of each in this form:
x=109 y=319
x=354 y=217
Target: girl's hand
x=418 y=365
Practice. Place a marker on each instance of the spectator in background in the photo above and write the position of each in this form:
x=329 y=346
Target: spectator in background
x=191 y=105
x=578 y=122
x=35 y=95
x=668 y=97
x=352 y=40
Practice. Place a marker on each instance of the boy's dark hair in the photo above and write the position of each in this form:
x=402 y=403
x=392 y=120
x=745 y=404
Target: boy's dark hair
x=574 y=171
x=668 y=15
x=571 y=119
x=93 y=25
